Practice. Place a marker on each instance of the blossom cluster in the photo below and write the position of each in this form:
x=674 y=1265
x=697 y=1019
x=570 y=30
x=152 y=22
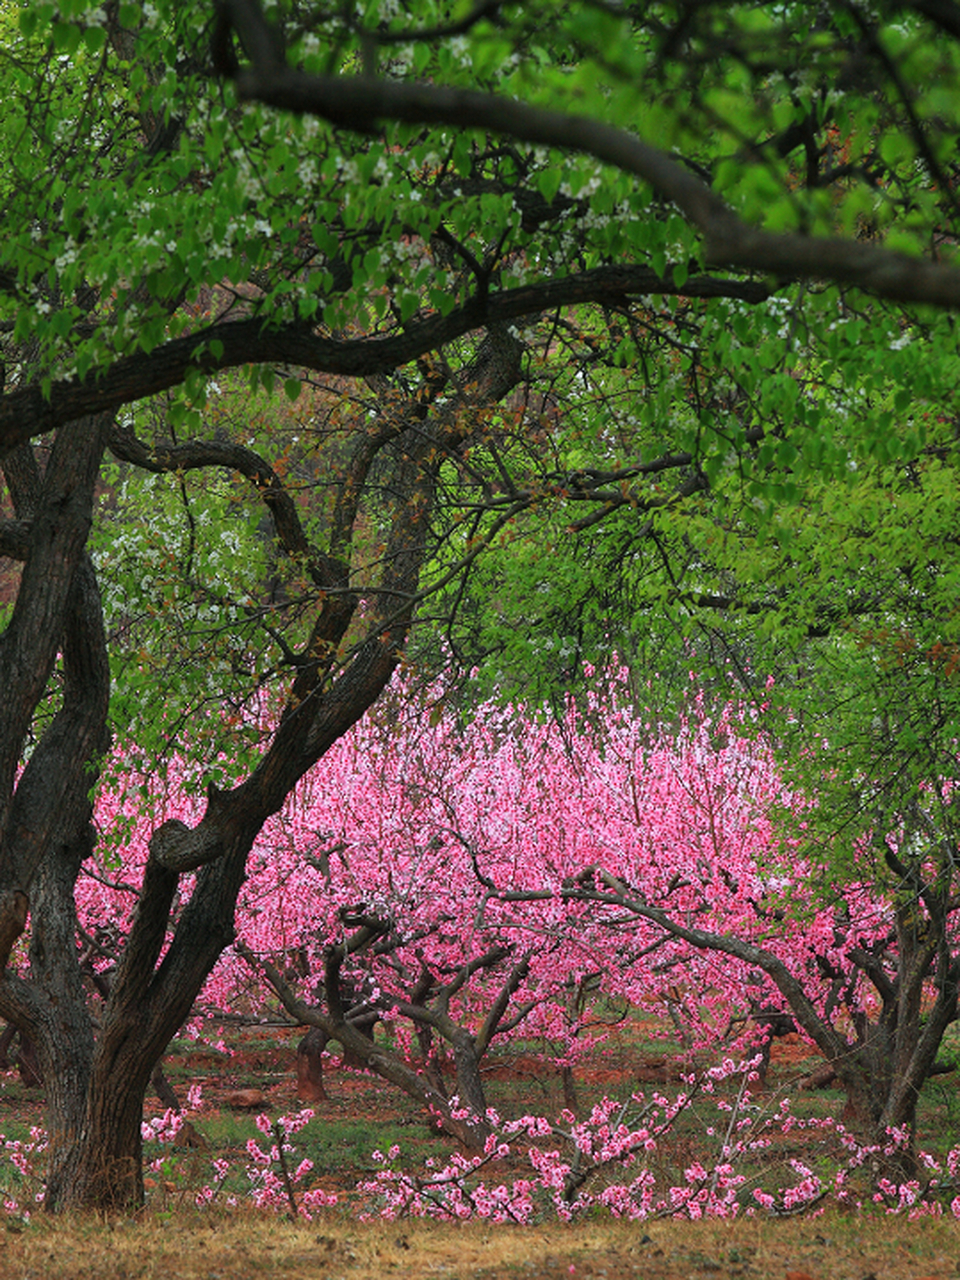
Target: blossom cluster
x=617 y=1160
x=586 y=1172
x=468 y=838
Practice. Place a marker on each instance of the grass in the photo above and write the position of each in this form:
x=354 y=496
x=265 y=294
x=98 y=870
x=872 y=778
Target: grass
x=363 y=1115
x=344 y=1146
x=171 y=1238
x=249 y=1247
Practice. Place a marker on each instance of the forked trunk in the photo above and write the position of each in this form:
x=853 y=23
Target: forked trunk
x=96 y=1090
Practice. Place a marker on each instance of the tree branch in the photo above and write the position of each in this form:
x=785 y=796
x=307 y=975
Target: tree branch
x=360 y=102
x=326 y=572
x=27 y=412
x=385 y=1063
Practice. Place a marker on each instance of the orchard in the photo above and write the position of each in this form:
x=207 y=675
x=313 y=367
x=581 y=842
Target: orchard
x=517 y=878
x=479 y=560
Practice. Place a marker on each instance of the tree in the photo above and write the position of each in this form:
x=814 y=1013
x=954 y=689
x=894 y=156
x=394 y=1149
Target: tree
x=163 y=228
x=505 y=863
x=429 y=872
x=903 y=783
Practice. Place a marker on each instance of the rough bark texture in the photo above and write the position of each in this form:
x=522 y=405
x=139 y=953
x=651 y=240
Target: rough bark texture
x=310 y=1086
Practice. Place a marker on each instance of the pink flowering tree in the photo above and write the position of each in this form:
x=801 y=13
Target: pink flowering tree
x=504 y=864
x=463 y=882
x=444 y=886
x=438 y=886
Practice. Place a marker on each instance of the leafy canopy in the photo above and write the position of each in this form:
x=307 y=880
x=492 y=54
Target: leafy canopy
x=775 y=452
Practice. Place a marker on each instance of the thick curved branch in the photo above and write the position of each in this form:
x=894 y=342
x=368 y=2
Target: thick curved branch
x=51 y=806
x=494 y=1018
x=361 y=102
x=488 y=960
x=179 y=848
x=442 y=31
x=30 y=644
x=872 y=966
x=195 y=454
x=20 y=1002
x=378 y=1059
x=27 y=412
x=394 y=419
x=615 y=893
x=22 y=474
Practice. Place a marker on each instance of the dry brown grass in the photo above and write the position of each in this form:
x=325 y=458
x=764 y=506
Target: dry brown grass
x=249 y=1246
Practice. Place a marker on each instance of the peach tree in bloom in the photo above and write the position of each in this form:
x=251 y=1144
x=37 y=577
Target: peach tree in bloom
x=514 y=870
x=510 y=875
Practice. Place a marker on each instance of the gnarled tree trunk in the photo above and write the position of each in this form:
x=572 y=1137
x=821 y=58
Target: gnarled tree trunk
x=97 y=1075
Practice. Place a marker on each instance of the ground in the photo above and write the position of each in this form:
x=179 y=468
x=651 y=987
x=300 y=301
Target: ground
x=242 y=1248
x=172 y=1238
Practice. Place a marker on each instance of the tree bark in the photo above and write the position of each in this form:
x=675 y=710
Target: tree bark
x=470 y=1089
x=310 y=1087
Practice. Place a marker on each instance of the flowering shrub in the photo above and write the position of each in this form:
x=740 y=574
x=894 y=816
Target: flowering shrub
x=586 y=1173
x=274 y=1183
x=21 y=1181
x=617 y=1160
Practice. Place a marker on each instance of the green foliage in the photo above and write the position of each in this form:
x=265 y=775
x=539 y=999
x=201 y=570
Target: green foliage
x=738 y=488
x=181 y=559
x=184 y=189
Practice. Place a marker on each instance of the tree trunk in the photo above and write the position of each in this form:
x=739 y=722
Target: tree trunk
x=96 y=1086
x=61 y=1024
x=469 y=1083
x=310 y=1086
x=471 y=1132
x=28 y=1064
x=166 y=1094
x=571 y=1099
x=431 y=1054
x=102 y=1168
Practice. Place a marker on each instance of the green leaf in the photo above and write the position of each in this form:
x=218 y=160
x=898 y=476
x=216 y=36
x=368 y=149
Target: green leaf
x=548 y=182
x=66 y=37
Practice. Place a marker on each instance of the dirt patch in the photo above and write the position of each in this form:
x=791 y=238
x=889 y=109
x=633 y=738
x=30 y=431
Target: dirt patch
x=791 y=1051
